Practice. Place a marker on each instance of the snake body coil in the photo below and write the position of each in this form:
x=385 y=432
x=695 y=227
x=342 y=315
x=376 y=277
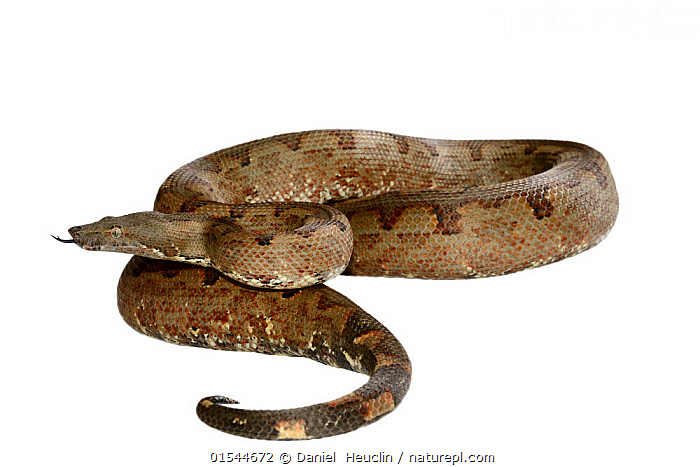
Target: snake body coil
x=392 y=206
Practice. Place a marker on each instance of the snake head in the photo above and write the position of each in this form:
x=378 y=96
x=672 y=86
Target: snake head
x=137 y=234
x=107 y=234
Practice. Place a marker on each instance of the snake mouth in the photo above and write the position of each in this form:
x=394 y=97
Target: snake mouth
x=91 y=240
x=72 y=231
x=83 y=241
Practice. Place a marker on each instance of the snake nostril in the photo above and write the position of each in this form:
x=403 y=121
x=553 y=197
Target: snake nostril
x=76 y=233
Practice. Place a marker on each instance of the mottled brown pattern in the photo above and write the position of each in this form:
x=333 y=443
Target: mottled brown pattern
x=292 y=140
x=542 y=203
x=448 y=219
x=346 y=139
x=599 y=174
x=389 y=218
x=432 y=148
x=316 y=322
x=402 y=144
x=415 y=207
x=245 y=160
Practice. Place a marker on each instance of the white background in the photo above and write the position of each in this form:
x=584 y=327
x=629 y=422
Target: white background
x=591 y=361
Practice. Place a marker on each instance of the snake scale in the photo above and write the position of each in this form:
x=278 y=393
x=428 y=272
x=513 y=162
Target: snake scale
x=238 y=242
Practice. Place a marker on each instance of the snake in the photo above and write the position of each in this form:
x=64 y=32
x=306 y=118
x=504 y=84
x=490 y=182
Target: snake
x=234 y=254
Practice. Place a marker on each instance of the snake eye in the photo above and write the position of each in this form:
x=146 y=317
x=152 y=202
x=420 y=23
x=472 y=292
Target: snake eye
x=116 y=232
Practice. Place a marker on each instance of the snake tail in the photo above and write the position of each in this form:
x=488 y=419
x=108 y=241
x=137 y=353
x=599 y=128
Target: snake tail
x=203 y=308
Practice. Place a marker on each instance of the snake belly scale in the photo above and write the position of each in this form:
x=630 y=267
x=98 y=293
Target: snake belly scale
x=233 y=255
